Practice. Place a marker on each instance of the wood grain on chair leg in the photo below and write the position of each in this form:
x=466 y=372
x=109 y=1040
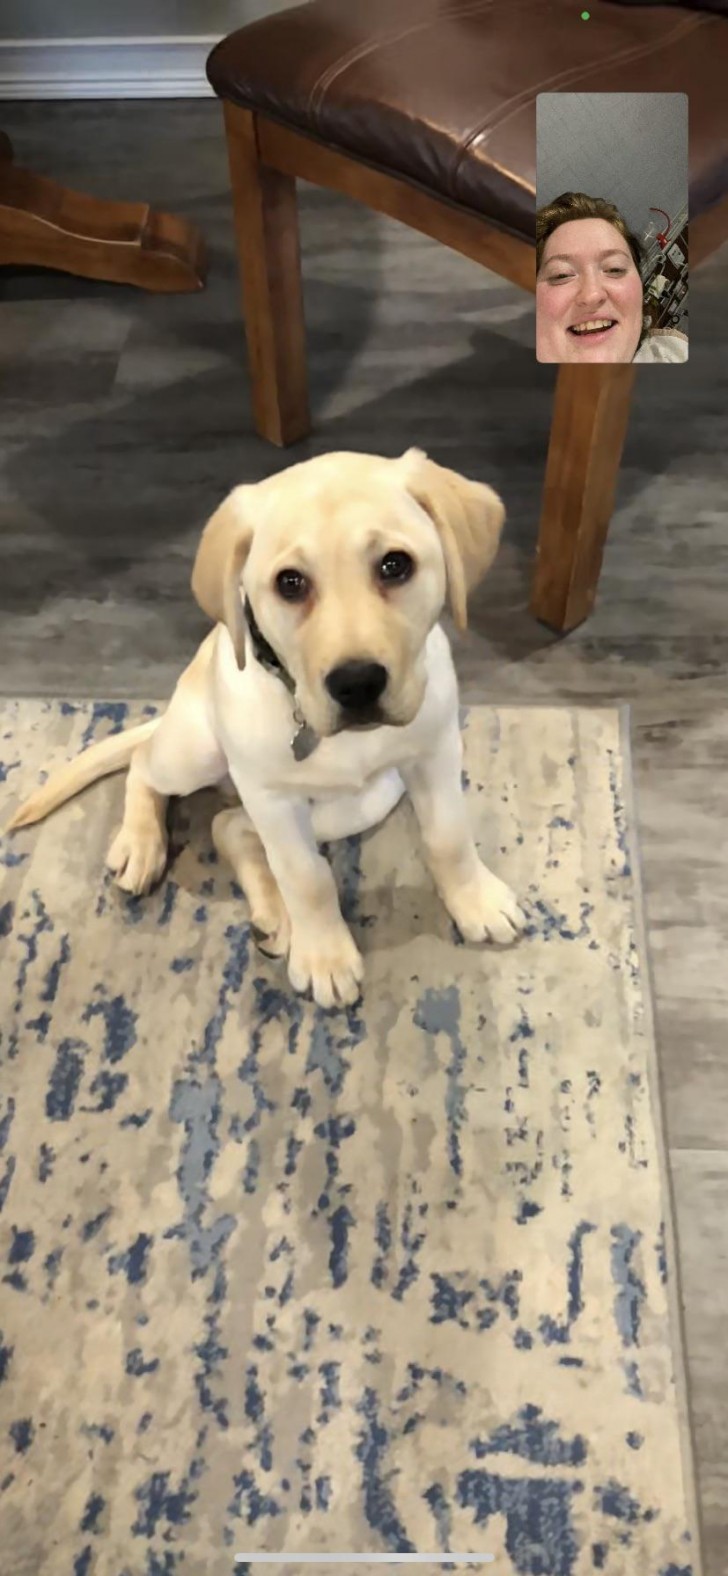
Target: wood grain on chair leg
x=588 y=429
x=266 y=227
x=45 y=225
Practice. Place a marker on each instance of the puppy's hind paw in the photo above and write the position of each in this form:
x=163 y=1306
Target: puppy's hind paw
x=137 y=859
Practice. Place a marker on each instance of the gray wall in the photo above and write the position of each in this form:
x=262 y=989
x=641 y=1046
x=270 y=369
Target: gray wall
x=631 y=148
x=128 y=18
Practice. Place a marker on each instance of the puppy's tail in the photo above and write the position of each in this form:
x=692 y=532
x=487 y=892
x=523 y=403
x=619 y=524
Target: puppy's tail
x=99 y=760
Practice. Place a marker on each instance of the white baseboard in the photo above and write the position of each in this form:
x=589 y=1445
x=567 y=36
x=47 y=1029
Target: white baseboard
x=104 y=68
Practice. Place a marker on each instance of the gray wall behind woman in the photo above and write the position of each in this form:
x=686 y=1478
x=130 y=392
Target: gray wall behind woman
x=629 y=147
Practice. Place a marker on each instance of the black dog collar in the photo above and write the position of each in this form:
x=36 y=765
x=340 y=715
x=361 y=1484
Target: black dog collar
x=304 y=740
x=264 y=652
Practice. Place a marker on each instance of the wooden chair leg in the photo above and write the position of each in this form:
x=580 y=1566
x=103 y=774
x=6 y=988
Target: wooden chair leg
x=266 y=227
x=588 y=429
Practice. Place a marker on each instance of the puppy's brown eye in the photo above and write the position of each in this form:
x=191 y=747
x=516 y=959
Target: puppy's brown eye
x=292 y=585
x=395 y=568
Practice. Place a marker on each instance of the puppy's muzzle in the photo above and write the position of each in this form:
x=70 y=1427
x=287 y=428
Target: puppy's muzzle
x=357 y=687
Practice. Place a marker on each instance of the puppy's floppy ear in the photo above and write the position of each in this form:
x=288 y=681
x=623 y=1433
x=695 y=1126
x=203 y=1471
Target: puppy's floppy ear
x=469 y=519
x=219 y=563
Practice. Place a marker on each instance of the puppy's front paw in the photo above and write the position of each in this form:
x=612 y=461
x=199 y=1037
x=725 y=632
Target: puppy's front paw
x=330 y=963
x=137 y=859
x=485 y=909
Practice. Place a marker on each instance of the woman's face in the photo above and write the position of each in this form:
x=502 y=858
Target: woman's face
x=588 y=295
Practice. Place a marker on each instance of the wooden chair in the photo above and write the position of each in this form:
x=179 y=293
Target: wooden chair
x=425 y=110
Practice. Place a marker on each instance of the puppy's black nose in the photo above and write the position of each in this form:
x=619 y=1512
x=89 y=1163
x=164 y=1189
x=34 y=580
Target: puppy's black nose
x=357 y=685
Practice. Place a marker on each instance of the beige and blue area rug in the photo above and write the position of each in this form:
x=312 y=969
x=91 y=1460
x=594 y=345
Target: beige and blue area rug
x=398 y=1279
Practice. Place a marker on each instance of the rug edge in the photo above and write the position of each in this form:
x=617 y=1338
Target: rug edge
x=678 y=1339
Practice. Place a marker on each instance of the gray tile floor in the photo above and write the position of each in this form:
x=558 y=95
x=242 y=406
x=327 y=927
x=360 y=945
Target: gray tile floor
x=124 y=419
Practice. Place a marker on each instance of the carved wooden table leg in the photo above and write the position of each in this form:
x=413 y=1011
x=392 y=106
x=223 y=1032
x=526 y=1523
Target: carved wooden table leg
x=45 y=225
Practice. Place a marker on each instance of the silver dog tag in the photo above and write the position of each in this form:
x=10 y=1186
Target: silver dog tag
x=304 y=742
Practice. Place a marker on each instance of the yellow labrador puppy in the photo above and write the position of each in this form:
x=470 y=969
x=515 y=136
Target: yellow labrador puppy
x=325 y=691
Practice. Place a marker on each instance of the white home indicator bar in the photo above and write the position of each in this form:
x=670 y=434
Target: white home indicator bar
x=363 y=1559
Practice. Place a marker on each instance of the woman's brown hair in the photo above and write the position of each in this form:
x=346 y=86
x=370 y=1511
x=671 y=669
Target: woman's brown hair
x=576 y=205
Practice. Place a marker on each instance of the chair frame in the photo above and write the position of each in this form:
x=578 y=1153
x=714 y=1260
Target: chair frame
x=591 y=403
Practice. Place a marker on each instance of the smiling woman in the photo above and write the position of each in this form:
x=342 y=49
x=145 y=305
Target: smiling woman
x=589 y=287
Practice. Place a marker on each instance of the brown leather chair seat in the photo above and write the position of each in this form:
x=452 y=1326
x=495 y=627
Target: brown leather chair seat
x=442 y=93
